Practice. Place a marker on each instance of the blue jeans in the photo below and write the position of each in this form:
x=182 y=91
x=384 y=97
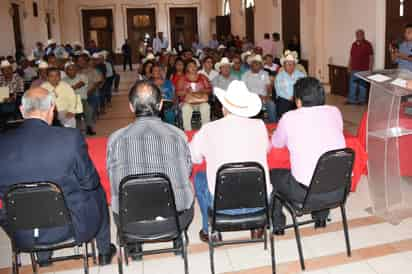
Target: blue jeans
x=205 y=200
x=354 y=83
x=271 y=109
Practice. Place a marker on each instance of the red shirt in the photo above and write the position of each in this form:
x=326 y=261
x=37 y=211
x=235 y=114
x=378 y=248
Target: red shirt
x=360 y=55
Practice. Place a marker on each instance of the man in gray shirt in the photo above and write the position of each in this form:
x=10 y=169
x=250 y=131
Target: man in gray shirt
x=149 y=145
x=257 y=81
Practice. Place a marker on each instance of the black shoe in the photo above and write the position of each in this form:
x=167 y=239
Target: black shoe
x=90 y=131
x=351 y=103
x=279 y=232
x=107 y=259
x=204 y=237
x=320 y=224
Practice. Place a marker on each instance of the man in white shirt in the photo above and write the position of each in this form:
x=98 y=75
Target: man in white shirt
x=257 y=81
x=160 y=43
x=234 y=138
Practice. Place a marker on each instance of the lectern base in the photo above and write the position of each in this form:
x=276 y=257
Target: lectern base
x=394 y=217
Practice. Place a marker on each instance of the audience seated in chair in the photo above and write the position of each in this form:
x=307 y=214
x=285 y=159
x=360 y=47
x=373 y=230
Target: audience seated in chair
x=234 y=138
x=321 y=127
x=46 y=153
x=149 y=145
x=195 y=88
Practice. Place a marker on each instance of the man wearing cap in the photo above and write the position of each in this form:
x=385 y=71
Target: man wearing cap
x=95 y=80
x=285 y=81
x=224 y=78
x=11 y=80
x=42 y=77
x=79 y=83
x=257 y=80
x=38 y=51
x=234 y=138
x=51 y=46
x=66 y=101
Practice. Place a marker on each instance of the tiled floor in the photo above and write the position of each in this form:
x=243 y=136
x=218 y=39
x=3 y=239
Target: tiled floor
x=378 y=247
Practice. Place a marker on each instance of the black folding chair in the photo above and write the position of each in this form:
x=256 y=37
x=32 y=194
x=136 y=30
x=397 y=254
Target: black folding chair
x=37 y=206
x=329 y=189
x=240 y=186
x=147 y=214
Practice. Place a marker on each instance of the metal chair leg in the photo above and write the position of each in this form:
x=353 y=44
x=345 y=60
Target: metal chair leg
x=272 y=250
x=15 y=261
x=85 y=258
x=126 y=255
x=211 y=251
x=265 y=238
x=93 y=243
x=346 y=230
x=33 y=263
x=298 y=241
x=120 y=260
x=184 y=252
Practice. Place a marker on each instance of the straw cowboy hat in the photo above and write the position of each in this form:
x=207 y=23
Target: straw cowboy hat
x=149 y=57
x=238 y=100
x=256 y=58
x=5 y=64
x=221 y=47
x=223 y=62
x=289 y=56
x=43 y=65
x=51 y=42
x=244 y=56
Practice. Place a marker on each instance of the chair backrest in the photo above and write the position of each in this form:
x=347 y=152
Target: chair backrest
x=31 y=206
x=147 y=198
x=240 y=185
x=331 y=180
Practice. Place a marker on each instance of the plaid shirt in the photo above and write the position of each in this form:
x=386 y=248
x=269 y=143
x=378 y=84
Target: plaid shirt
x=149 y=146
x=16 y=85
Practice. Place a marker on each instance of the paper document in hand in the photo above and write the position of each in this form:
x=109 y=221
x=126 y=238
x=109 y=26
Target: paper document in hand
x=4 y=93
x=399 y=82
x=379 y=78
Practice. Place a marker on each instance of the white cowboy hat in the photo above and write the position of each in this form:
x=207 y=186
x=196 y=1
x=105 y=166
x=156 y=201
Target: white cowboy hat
x=77 y=43
x=43 y=65
x=149 y=57
x=244 y=56
x=69 y=64
x=289 y=56
x=96 y=55
x=256 y=58
x=221 y=47
x=223 y=62
x=238 y=100
x=5 y=64
x=51 y=42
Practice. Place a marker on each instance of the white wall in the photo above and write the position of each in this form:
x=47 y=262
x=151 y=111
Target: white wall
x=33 y=28
x=207 y=10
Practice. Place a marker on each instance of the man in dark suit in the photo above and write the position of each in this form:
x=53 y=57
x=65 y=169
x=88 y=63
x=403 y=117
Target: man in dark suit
x=38 y=152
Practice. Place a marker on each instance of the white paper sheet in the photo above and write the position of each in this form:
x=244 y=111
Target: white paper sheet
x=379 y=78
x=4 y=93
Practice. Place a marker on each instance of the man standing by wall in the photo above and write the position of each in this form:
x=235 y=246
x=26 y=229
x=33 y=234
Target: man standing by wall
x=403 y=55
x=127 y=55
x=361 y=59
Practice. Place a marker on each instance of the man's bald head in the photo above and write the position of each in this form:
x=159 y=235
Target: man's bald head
x=145 y=99
x=37 y=103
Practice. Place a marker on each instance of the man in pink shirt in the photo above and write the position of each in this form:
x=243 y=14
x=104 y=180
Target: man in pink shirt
x=308 y=132
x=232 y=139
x=268 y=45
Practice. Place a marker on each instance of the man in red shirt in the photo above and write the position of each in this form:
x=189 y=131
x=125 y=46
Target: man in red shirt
x=361 y=59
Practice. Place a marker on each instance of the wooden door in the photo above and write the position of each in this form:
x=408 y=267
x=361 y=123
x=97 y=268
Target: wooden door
x=398 y=15
x=250 y=24
x=223 y=27
x=183 y=26
x=290 y=20
x=17 y=28
x=140 y=22
x=98 y=26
